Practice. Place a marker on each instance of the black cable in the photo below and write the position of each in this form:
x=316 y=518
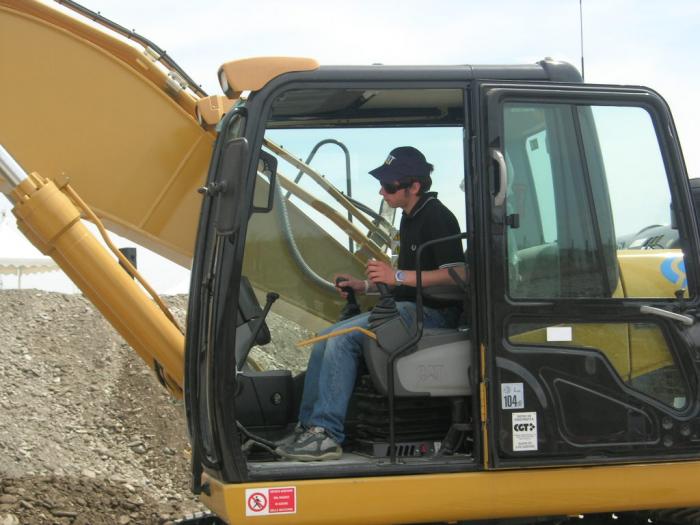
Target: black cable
x=133 y=35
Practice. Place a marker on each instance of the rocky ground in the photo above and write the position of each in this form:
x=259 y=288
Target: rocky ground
x=87 y=434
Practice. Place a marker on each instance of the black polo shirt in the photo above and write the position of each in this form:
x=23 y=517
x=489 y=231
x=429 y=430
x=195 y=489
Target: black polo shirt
x=429 y=219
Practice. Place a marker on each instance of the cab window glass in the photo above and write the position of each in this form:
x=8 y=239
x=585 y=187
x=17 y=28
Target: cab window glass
x=638 y=352
x=578 y=177
x=539 y=162
x=621 y=144
x=326 y=142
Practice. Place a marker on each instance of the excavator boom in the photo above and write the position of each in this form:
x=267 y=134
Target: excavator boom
x=103 y=113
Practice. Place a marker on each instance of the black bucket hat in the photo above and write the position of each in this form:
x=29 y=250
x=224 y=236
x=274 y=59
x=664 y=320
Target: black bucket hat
x=403 y=163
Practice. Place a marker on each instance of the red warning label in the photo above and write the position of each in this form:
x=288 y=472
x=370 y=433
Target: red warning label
x=274 y=500
x=257 y=502
x=282 y=500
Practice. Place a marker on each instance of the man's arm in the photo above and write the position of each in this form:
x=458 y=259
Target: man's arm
x=381 y=272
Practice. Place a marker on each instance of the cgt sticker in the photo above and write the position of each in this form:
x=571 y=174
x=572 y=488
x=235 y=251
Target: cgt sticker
x=274 y=500
x=524 y=431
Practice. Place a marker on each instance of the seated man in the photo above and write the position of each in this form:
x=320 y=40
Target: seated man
x=332 y=370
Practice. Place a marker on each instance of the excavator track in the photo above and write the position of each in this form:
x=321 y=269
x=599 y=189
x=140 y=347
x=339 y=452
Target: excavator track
x=200 y=518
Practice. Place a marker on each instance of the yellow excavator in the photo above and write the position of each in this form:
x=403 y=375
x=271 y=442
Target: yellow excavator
x=570 y=390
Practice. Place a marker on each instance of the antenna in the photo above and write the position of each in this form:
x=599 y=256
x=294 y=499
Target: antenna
x=580 y=17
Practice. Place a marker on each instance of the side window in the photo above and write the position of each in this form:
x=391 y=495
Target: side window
x=579 y=177
x=622 y=149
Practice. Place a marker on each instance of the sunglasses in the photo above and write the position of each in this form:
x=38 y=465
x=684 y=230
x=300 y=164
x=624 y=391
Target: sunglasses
x=393 y=187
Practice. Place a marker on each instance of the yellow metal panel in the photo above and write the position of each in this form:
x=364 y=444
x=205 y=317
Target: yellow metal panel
x=251 y=74
x=476 y=495
x=649 y=349
x=126 y=50
x=652 y=273
x=71 y=109
x=612 y=339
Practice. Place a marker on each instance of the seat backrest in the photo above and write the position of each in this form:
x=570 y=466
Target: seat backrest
x=439 y=366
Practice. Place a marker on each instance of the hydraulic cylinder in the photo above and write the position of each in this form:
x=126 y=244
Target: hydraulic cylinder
x=51 y=220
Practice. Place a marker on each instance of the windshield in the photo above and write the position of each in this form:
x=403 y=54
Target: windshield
x=329 y=217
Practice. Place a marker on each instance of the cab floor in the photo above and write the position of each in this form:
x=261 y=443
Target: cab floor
x=352 y=463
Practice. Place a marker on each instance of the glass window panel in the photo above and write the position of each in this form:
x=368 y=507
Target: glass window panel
x=310 y=233
x=622 y=148
x=589 y=187
x=559 y=247
x=638 y=352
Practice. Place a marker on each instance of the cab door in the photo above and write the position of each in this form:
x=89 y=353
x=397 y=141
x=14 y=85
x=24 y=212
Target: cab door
x=587 y=354
x=212 y=316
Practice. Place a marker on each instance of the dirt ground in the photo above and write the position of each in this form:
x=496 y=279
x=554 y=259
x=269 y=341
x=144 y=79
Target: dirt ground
x=87 y=434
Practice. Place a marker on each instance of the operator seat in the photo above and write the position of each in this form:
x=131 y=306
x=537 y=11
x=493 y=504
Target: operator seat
x=438 y=366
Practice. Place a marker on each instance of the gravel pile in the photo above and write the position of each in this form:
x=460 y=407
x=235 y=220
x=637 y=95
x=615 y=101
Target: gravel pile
x=87 y=435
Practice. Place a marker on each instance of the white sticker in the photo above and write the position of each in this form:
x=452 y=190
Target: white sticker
x=512 y=396
x=273 y=500
x=524 y=431
x=559 y=333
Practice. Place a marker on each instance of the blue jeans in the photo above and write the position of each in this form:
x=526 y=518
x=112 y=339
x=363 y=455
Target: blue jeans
x=332 y=370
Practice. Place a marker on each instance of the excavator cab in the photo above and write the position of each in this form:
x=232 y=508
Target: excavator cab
x=326 y=217
x=572 y=350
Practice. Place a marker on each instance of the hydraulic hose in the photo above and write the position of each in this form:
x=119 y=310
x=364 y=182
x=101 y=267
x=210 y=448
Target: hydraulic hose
x=283 y=217
x=348 y=178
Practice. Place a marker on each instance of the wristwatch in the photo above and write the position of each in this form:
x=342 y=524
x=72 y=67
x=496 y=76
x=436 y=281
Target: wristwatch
x=400 y=276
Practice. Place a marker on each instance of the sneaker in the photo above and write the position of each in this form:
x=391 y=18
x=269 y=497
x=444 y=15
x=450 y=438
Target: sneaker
x=292 y=436
x=312 y=445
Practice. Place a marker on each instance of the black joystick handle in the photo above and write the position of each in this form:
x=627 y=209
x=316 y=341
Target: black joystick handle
x=348 y=290
x=383 y=289
x=351 y=308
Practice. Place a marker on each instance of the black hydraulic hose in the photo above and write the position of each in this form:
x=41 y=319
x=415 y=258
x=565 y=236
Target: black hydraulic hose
x=348 y=181
x=133 y=35
x=283 y=217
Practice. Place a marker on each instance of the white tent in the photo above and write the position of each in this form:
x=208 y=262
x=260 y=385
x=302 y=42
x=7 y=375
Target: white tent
x=18 y=256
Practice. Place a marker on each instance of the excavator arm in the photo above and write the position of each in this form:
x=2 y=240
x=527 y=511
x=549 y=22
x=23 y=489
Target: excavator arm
x=105 y=114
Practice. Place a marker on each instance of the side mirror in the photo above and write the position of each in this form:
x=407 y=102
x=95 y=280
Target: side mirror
x=228 y=188
x=267 y=165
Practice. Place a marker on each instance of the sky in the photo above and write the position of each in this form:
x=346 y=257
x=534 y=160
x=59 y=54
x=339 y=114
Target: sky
x=654 y=43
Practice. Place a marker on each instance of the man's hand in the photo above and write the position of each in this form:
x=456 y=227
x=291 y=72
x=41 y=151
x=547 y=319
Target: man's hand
x=345 y=281
x=380 y=272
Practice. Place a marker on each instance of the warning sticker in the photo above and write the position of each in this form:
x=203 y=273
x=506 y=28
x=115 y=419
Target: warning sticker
x=512 y=396
x=266 y=501
x=524 y=431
